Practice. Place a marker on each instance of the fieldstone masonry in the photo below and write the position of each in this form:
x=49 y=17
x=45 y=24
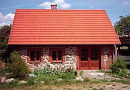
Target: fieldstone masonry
x=70 y=59
x=106 y=57
x=106 y=51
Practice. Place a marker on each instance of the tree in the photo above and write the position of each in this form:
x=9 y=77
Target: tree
x=4 y=35
x=122 y=27
x=17 y=67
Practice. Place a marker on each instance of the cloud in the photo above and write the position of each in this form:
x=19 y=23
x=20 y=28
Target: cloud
x=7 y=19
x=60 y=3
x=126 y=2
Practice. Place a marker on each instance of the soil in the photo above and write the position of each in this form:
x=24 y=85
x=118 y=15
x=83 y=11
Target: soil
x=78 y=86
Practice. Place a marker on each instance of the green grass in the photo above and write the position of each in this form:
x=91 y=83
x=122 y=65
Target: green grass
x=94 y=89
x=50 y=78
x=62 y=83
x=98 y=81
x=120 y=81
x=12 y=84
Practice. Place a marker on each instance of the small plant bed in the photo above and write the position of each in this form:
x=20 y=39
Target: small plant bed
x=44 y=76
x=49 y=76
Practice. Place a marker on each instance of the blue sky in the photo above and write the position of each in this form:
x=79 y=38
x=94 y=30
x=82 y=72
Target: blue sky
x=114 y=8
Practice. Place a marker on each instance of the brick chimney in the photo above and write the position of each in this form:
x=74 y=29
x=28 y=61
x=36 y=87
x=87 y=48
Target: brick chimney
x=53 y=6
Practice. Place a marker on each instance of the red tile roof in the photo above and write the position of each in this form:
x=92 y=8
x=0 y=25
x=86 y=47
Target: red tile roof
x=41 y=26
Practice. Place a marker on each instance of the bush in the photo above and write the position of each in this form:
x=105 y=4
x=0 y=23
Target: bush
x=9 y=85
x=17 y=66
x=119 y=67
x=2 y=72
x=50 y=76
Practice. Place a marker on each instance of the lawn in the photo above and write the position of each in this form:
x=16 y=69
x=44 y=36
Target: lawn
x=91 y=85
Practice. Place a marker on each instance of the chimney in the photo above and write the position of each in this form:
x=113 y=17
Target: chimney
x=53 y=6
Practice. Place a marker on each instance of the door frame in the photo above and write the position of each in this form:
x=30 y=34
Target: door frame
x=90 y=61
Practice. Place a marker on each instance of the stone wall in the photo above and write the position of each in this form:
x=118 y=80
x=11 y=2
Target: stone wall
x=70 y=59
x=106 y=57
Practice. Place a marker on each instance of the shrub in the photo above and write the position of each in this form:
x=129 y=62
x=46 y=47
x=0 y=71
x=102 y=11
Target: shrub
x=9 y=85
x=3 y=68
x=2 y=71
x=50 y=76
x=31 y=81
x=119 y=67
x=81 y=73
x=17 y=66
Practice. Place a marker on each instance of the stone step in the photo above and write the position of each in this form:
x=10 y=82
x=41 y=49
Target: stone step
x=94 y=74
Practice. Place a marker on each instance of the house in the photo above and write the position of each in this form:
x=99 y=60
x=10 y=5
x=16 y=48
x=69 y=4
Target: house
x=61 y=39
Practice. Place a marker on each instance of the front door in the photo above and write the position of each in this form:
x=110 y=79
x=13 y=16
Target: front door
x=89 y=59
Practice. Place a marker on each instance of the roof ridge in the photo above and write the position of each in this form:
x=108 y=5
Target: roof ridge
x=64 y=9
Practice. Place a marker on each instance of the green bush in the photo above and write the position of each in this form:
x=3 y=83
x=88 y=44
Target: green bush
x=50 y=76
x=9 y=85
x=31 y=81
x=2 y=71
x=81 y=73
x=17 y=66
x=119 y=67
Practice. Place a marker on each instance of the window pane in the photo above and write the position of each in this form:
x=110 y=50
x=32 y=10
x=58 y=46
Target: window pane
x=84 y=54
x=94 y=58
x=59 y=55
x=94 y=54
x=37 y=55
x=54 y=55
x=32 y=55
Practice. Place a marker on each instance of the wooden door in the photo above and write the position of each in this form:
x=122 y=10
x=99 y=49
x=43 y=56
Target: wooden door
x=95 y=58
x=89 y=58
x=84 y=58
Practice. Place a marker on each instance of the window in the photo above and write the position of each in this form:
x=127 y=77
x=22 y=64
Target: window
x=94 y=54
x=59 y=55
x=56 y=55
x=37 y=55
x=84 y=54
x=34 y=54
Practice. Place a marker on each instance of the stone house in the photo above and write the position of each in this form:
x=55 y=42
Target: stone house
x=61 y=39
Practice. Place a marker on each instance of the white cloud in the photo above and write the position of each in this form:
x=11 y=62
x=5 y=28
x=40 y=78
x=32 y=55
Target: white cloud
x=2 y=24
x=7 y=19
x=126 y=2
x=60 y=3
x=45 y=5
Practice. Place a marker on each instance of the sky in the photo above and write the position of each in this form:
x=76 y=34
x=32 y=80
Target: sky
x=114 y=8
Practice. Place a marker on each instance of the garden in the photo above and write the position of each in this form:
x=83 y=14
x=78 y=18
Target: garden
x=16 y=74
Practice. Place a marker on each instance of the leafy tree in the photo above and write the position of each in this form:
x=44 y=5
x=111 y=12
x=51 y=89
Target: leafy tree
x=122 y=27
x=4 y=35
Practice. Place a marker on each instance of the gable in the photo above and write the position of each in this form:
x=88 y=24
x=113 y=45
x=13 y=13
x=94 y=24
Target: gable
x=40 y=26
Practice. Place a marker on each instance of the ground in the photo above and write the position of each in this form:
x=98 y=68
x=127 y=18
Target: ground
x=78 y=86
x=101 y=82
